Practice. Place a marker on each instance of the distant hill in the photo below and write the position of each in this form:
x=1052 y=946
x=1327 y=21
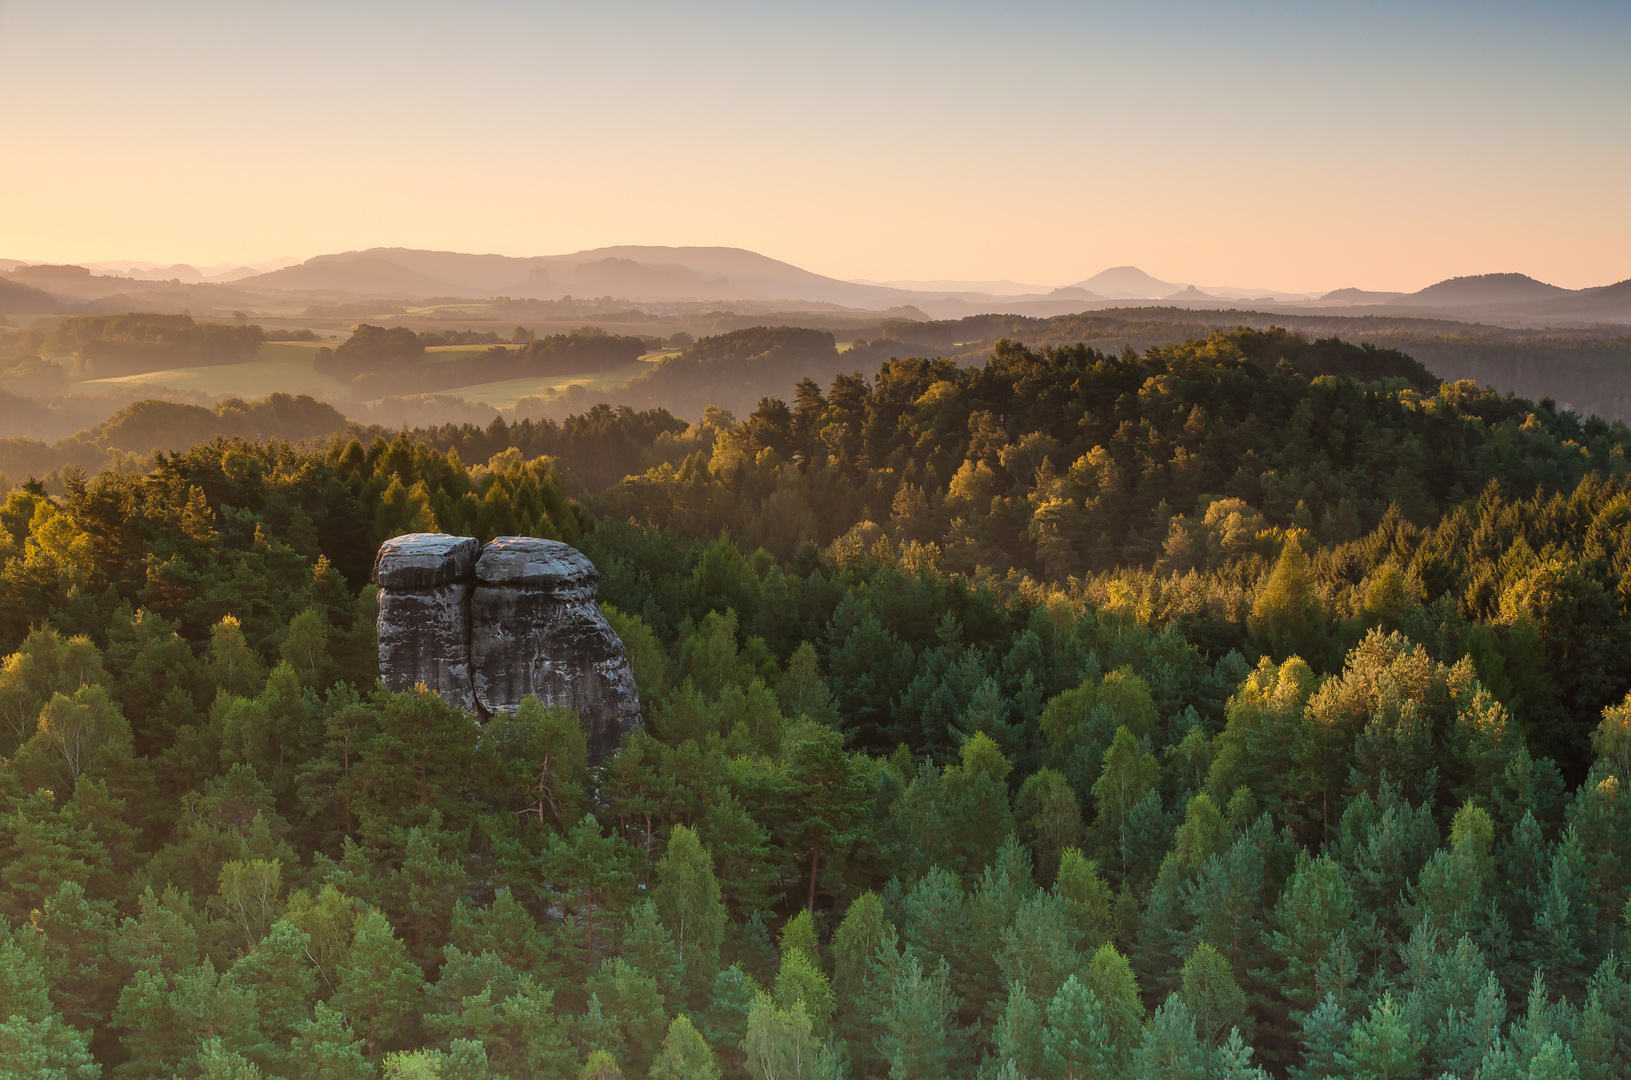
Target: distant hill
x=365 y=275
x=1127 y=283
x=19 y=299
x=1360 y=296
x=1482 y=289
x=1611 y=294
x=653 y=273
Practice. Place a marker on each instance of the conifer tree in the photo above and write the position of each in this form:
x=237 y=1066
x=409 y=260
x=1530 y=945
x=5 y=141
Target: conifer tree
x=1077 y=1044
x=324 y=1048
x=919 y=1039
x=1018 y=1038
x=379 y=987
x=684 y=1056
x=1169 y=1050
x=649 y=948
x=1287 y=618
x=1384 y=1045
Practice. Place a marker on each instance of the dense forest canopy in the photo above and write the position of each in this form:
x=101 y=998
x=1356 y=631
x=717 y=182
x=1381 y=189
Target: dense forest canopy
x=102 y=346
x=1247 y=704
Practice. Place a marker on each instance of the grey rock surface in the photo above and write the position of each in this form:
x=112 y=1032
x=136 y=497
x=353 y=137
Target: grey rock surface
x=535 y=629
x=425 y=583
x=486 y=626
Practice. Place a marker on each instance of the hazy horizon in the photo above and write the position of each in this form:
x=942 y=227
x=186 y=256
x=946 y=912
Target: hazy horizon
x=222 y=271
x=1302 y=150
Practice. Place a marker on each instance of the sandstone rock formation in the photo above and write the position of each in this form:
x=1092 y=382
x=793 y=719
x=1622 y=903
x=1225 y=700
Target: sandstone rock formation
x=535 y=629
x=425 y=581
x=489 y=625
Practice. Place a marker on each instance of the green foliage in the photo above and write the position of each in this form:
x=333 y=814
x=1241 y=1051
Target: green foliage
x=685 y=1054
x=688 y=898
x=1022 y=699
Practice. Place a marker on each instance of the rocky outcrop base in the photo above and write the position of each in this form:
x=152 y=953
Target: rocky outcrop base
x=486 y=626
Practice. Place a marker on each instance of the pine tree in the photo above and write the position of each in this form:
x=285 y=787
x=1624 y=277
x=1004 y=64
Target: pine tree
x=1325 y=1033
x=1315 y=907
x=684 y=1056
x=724 y=1022
x=649 y=948
x=233 y=666
x=1039 y=950
x=1226 y=901
x=635 y=1003
x=1233 y=1060
x=1603 y=1037
x=1287 y=618
x=1384 y=1046
x=379 y=987
x=1170 y=1050
x=542 y=761
x=1018 y=1038
x=1084 y=889
x=283 y=983
x=828 y=796
x=1077 y=1044
x=45 y=1048
x=324 y=1048
x=78 y=934
x=1467 y=1036
x=920 y=1040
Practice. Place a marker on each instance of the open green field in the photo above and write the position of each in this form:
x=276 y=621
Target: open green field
x=282 y=366
x=506 y=392
x=286 y=367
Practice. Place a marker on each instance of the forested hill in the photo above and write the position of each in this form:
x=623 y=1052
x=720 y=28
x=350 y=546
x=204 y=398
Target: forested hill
x=1247 y=704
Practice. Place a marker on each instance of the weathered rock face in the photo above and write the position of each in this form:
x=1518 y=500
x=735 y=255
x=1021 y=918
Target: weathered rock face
x=425 y=582
x=535 y=629
x=488 y=626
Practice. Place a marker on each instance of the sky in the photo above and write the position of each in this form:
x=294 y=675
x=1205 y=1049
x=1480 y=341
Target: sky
x=1304 y=146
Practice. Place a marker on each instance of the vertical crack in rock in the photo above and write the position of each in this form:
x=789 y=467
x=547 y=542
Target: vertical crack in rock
x=535 y=629
x=425 y=582
x=486 y=626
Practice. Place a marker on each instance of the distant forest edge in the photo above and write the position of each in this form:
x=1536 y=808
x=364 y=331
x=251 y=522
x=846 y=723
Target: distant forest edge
x=717 y=376
x=396 y=375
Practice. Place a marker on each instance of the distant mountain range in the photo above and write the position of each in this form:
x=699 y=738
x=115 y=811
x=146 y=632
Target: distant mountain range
x=723 y=275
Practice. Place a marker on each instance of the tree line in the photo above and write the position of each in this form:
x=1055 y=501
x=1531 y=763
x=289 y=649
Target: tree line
x=393 y=360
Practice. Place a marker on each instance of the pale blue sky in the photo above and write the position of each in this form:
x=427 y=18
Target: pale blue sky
x=1277 y=145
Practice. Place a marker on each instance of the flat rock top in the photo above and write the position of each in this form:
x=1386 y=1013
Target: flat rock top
x=423 y=560
x=526 y=560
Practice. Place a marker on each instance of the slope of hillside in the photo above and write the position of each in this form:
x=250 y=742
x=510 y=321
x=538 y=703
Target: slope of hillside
x=1481 y=289
x=1127 y=283
x=19 y=299
x=361 y=276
